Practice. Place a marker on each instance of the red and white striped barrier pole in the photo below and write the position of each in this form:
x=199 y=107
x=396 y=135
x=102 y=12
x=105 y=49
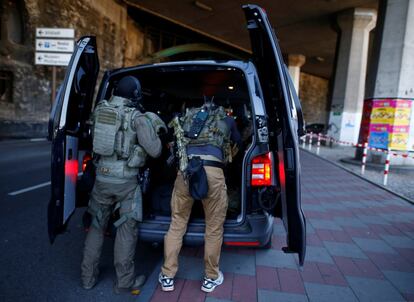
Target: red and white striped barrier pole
x=318 y=144
x=387 y=167
x=310 y=141
x=303 y=138
x=364 y=158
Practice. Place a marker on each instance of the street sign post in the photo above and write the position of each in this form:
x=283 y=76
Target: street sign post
x=59 y=33
x=54 y=47
x=52 y=59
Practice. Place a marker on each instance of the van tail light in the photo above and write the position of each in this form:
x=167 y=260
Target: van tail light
x=242 y=243
x=262 y=170
x=87 y=157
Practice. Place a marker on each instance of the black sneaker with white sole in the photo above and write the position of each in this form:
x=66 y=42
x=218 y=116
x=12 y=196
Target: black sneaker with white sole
x=167 y=283
x=210 y=284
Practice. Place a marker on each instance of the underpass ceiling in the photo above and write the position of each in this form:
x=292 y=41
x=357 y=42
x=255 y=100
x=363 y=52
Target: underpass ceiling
x=302 y=26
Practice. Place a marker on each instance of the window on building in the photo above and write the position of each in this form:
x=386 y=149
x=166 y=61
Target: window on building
x=6 y=86
x=15 y=24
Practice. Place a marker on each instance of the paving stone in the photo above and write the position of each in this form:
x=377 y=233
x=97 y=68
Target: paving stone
x=311 y=273
x=274 y=258
x=225 y=290
x=268 y=295
x=398 y=217
x=212 y=299
x=353 y=204
x=309 y=229
x=278 y=229
x=237 y=263
x=190 y=268
x=399 y=241
x=374 y=290
x=334 y=206
x=372 y=219
x=290 y=281
x=367 y=269
x=318 y=254
x=331 y=274
x=324 y=224
x=325 y=235
x=401 y=280
x=346 y=266
x=267 y=278
x=191 y=292
x=361 y=232
x=374 y=245
x=312 y=207
x=329 y=293
x=314 y=240
x=244 y=288
x=408 y=297
x=408 y=254
x=344 y=249
x=160 y=296
x=349 y=221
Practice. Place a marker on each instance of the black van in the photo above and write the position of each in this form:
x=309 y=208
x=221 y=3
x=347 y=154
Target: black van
x=263 y=179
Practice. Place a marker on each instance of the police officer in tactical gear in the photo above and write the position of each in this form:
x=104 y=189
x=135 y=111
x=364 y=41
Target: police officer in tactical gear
x=208 y=132
x=123 y=136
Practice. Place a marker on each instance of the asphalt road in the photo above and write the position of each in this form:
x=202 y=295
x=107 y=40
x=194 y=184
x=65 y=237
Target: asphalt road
x=30 y=268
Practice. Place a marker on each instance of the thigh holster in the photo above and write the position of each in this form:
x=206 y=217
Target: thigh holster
x=130 y=208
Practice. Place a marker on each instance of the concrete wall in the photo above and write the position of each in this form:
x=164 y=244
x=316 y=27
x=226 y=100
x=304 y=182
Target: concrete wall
x=120 y=43
x=313 y=93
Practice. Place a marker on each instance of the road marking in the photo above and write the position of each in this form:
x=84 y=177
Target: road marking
x=33 y=187
x=40 y=139
x=29 y=189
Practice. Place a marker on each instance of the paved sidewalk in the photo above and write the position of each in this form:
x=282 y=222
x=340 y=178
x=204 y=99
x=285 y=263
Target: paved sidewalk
x=360 y=247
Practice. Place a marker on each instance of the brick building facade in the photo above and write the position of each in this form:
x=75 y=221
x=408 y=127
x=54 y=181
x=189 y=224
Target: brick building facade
x=25 y=98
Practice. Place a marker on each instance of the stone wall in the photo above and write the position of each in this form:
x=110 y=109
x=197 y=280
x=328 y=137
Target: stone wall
x=120 y=43
x=313 y=93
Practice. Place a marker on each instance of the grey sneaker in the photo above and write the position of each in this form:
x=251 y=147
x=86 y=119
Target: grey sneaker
x=210 y=284
x=167 y=284
x=135 y=287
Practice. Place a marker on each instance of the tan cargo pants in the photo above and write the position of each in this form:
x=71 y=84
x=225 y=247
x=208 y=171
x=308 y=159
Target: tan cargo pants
x=103 y=198
x=215 y=208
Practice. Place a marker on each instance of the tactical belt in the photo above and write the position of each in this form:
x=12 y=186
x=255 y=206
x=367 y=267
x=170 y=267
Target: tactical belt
x=213 y=163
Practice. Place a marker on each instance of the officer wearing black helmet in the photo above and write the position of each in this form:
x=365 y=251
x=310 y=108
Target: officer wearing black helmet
x=123 y=136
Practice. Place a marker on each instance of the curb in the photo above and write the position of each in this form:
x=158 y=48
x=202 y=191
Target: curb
x=360 y=176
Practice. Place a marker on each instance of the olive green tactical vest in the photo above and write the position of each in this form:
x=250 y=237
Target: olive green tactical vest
x=215 y=131
x=115 y=140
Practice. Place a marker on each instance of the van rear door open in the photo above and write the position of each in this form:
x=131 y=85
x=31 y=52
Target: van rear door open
x=278 y=101
x=68 y=131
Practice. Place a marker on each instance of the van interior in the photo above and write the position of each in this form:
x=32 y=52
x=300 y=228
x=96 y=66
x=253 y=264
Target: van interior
x=170 y=90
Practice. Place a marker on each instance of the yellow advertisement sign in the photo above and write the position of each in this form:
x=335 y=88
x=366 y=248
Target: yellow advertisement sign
x=382 y=115
x=398 y=141
x=402 y=116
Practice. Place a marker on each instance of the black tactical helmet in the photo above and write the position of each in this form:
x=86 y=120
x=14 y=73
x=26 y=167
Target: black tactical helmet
x=130 y=88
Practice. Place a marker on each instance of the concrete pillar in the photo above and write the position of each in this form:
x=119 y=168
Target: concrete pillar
x=348 y=92
x=392 y=67
x=391 y=73
x=295 y=63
